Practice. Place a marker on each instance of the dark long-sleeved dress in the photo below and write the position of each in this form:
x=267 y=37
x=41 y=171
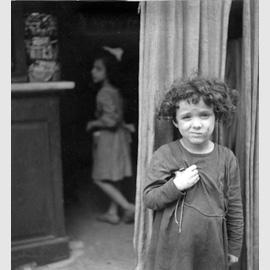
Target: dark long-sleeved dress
x=196 y=229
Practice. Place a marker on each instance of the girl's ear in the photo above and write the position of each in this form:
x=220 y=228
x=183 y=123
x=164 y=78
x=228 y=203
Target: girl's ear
x=175 y=123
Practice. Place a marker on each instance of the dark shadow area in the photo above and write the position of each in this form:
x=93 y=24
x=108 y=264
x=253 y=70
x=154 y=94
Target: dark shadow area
x=85 y=27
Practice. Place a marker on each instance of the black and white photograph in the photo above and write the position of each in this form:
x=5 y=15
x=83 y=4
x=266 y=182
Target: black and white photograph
x=134 y=135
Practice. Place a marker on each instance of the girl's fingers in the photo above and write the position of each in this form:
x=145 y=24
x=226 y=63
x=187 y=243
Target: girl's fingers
x=192 y=167
x=194 y=179
x=194 y=173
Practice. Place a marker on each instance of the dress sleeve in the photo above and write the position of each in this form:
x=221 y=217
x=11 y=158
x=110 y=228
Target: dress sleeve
x=160 y=189
x=235 y=221
x=110 y=112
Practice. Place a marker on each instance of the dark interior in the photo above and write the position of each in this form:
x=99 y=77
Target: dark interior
x=84 y=27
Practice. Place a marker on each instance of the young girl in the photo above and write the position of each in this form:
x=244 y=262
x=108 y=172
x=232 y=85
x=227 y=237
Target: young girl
x=193 y=184
x=111 y=153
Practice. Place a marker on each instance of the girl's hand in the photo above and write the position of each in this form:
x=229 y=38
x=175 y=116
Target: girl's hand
x=187 y=178
x=232 y=259
x=90 y=125
x=130 y=127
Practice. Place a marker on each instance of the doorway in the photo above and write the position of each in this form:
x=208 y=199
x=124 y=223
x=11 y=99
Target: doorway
x=85 y=27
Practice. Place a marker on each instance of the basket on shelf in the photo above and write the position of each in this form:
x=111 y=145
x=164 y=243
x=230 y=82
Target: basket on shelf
x=42 y=48
x=40 y=24
x=44 y=71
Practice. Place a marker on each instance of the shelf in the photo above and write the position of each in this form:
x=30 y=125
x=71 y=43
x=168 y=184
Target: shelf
x=42 y=86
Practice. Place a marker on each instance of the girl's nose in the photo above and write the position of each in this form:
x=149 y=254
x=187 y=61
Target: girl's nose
x=196 y=123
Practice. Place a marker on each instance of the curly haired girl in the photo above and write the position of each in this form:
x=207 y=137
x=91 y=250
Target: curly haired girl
x=193 y=184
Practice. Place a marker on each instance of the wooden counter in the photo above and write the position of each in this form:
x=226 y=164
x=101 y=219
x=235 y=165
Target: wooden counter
x=37 y=214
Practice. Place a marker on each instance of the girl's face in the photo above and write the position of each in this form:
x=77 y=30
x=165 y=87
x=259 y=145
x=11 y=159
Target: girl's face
x=98 y=71
x=195 y=122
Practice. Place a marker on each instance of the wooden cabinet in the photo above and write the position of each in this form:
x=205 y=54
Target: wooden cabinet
x=37 y=215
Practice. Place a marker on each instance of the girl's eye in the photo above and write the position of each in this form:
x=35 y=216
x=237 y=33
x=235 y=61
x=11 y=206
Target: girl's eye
x=205 y=115
x=185 y=117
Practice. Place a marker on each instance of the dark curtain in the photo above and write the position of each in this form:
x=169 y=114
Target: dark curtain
x=247 y=134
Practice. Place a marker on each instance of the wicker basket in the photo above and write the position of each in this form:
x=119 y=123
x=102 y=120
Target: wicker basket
x=42 y=48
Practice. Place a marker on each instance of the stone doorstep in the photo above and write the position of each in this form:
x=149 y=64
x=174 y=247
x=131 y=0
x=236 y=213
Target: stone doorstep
x=77 y=251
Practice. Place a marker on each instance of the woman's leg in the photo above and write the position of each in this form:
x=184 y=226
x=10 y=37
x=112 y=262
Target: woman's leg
x=111 y=215
x=113 y=209
x=115 y=195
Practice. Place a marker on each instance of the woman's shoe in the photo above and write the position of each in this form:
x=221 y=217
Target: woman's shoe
x=109 y=218
x=128 y=216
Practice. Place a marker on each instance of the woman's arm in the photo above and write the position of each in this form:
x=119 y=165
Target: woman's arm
x=159 y=194
x=160 y=190
x=94 y=124
x=109 y=113
x=235 y=221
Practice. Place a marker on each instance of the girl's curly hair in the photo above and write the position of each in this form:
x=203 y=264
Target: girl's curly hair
x=214 y=92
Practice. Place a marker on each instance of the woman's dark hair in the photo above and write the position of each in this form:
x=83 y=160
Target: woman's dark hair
x=112 y=65
x=213 y=92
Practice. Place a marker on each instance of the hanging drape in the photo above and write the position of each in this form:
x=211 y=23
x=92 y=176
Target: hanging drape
x=177 y=39
x=247 y=135
x=242 y=74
